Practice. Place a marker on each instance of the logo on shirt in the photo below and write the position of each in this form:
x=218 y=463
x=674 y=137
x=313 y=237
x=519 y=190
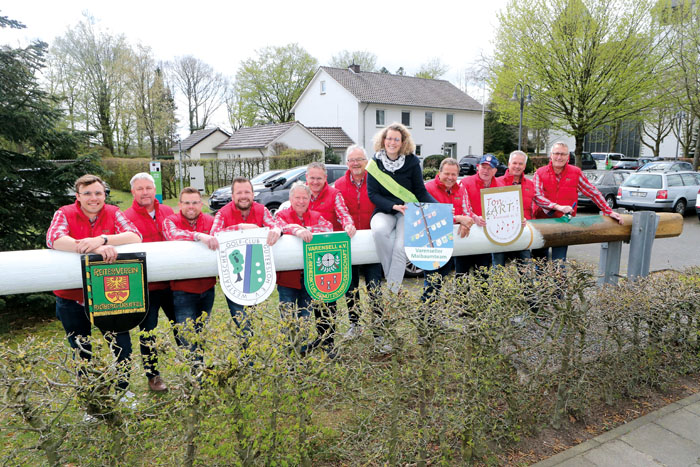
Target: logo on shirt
x=246 y=267
x=327 y=266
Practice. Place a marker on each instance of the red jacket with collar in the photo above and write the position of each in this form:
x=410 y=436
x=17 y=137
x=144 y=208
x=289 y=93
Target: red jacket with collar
x=455 y=196
x=292 y=279
x=562 y=191
x=356 y=199
x=473 y=186
x=528 y=189
x=232 y=215
x=80 y=228
x=199 y=285
x=325 y=205
x=152 y=231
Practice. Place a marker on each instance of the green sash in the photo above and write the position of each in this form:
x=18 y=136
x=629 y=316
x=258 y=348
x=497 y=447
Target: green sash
x=390 y=184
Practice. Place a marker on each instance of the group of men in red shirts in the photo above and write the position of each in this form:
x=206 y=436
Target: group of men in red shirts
x=91 y=226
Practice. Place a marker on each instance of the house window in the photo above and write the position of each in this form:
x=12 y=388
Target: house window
x=406 y=118
x=450 y=122
x=380 y=118
x=450 y=149
x=323 y=87
x=418 y=147
x=428 y=119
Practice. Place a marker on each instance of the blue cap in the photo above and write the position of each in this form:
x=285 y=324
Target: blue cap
x=489 y=159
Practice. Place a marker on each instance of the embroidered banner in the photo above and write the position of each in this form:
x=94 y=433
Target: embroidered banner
x=327 y=266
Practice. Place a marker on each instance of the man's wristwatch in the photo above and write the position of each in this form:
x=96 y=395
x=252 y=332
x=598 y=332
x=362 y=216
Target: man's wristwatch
x=105 y=239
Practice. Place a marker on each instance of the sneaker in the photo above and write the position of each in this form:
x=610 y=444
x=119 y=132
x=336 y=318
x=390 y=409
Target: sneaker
x=354 y=332
x=129 y=399
x=382 y=346
x=156 y=384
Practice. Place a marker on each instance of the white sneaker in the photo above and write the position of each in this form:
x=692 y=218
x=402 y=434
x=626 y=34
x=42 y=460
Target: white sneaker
x=382 y=346
x=129 y=399
x=354 y=332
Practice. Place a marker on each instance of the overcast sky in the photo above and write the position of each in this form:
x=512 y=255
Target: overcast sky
x=404 y=34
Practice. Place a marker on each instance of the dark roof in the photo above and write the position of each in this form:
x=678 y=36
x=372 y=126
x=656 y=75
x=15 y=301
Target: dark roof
x=333 y=136
x=196 y=137
x=256 y=136
x=384 y=88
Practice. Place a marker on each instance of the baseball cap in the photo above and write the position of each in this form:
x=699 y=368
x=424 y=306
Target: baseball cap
x=489 y=159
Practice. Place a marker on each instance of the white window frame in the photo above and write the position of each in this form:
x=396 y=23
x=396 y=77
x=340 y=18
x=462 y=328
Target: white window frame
x=447 y=117
x=407 y=125
x=323 y=87
x=432 y=122
x=419 y=147
x=376 y=117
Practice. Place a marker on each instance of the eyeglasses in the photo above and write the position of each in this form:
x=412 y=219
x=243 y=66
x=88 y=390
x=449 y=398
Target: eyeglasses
x=560 y=153
x=356 y=161
x=395 y=140
x=92 y=193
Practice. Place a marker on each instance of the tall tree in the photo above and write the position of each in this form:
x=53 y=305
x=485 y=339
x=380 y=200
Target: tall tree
x=32 y=186
x=202 y=87
x=239 y=114
x=433 y=69
x=345 y=58
x=100 y=61
x=273 y=81
x=578 y=58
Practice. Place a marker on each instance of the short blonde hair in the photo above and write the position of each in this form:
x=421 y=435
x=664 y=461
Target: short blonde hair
x=407 y=144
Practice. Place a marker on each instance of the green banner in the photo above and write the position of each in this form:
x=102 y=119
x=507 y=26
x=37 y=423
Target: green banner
x=156 y=174
x=117 y=293
x=327 y=266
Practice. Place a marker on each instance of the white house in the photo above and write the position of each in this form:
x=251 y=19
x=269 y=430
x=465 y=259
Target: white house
x=260 y=141
x=440 y=117
x=201 y=144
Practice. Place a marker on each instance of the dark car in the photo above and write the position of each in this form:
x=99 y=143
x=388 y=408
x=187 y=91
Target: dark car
x=587 y=161
x=222 y=196
x=275 y=190
x=627 y=164
x=467 y=166
x=607 y=183
x=666 y=166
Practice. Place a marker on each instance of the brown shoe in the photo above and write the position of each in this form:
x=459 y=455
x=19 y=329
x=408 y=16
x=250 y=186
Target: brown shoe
x=156 y=384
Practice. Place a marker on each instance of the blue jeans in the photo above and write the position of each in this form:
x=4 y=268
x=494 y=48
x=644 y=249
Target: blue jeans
x=373 y=277
x=74 y=319
x=156 y=299
x=463 y=264
x=558 y=253
x=500 y=259
x=240 y=317
x=191 y=306
x=432 y=280
x=290 y=297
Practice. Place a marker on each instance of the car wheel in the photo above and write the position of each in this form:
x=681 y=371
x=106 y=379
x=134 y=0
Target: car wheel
x=610 y=199
x=680 y=206
x=273 y=207
x=412 y=270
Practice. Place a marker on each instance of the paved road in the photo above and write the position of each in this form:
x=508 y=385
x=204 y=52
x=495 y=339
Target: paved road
x=667 y=253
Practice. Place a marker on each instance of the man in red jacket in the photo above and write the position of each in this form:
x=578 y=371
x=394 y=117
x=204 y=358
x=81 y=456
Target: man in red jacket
x=556 y=193
x=148 y=215
x=483 y=178
x=330 y=203
x=515 y=175
x=191 y=297
x=89 y=226
x=445 y=189
x=240 y=214
x=353 y=187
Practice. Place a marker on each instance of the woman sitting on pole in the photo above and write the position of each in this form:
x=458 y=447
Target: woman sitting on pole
x=395 y=178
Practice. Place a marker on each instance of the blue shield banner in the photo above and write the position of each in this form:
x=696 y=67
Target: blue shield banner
x=428 y=234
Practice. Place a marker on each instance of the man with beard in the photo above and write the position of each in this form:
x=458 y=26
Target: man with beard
x=148 y=215
x=240 y=214
x=191 y=297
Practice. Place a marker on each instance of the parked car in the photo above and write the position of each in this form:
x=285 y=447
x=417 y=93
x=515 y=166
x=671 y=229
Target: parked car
x=697 y=205
x=627 y=164
x=605 y=160
x=607 y=183
x=666 y=166
x=221 y=197
x=467 y=166
x=587 y=161
x=275 y=190
x=673 y=191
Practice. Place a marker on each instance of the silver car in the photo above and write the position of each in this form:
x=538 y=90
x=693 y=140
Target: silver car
x=673 y=191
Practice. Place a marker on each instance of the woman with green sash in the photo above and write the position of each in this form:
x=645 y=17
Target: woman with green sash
x=395 y=178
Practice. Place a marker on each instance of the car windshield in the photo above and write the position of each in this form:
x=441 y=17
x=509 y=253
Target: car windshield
x=258 y=179
x=599 y=156
x=655 y=166
x=288 y=174
x=594 y=177
x=643 y=181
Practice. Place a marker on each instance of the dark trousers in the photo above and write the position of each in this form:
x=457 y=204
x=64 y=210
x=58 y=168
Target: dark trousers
x=464 y=264
x=74 y=319
x=558 y=253
x=190 y=307
x=500 y=259
x=156 y=299
x=373 y=275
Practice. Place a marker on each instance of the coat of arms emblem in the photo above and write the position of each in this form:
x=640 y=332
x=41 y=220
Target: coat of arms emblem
x=246 y=267
x=327 y=266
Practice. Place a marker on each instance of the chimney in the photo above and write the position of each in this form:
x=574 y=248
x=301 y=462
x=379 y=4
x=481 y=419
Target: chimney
x=354 y=68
